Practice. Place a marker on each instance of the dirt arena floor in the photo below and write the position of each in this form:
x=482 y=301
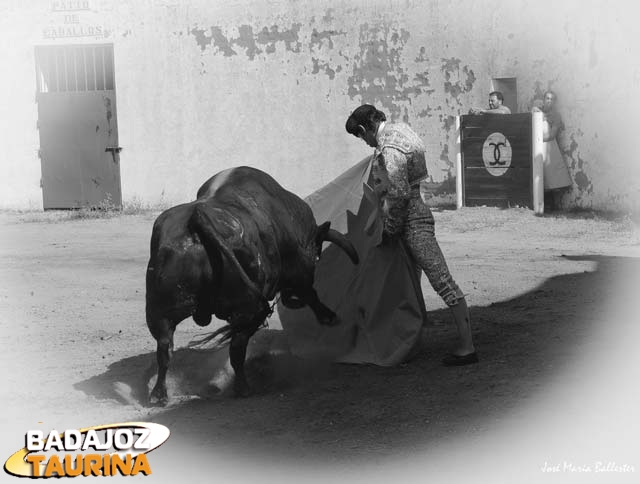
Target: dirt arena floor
x=554 y=398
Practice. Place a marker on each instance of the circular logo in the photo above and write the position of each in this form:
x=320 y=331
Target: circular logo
x=496 y=154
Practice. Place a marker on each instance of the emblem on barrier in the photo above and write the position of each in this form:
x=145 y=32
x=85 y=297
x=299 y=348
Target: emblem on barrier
x=496 y=154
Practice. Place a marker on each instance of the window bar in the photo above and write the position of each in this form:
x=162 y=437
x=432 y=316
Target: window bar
x=84 y=70
x=75 y=66
x=53 y=83
x=66 y=70
x=95 y=74
x=108 y=68
x=104 y=71
x=38 y=72
x=56 y=59
x=42 y=86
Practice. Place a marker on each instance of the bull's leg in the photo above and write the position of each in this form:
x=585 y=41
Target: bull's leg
x=324 y=315
x=163 y=332
x=237 y=355
x=238 y=349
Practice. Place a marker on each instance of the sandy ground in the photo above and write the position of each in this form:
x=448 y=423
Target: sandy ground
x=554 y=398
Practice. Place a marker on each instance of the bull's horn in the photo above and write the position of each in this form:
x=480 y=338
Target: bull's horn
x=342 y=242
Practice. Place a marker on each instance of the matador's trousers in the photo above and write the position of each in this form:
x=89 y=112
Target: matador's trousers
x=419 y=237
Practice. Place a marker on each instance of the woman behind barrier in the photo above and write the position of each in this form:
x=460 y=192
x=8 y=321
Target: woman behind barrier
x=556 y=172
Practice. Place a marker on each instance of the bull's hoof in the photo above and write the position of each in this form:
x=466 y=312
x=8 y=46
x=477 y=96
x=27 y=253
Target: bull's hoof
x=291 y=301
x=158 y=397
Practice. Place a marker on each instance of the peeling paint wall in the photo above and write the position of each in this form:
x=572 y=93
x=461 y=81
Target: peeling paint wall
x=202 y=85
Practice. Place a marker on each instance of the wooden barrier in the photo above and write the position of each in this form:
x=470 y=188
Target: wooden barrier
x=499 y=160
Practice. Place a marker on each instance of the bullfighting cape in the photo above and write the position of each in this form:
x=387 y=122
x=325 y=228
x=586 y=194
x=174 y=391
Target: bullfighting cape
x=378 y=302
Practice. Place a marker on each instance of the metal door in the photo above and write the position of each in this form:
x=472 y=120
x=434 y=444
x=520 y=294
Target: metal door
x=78 y=127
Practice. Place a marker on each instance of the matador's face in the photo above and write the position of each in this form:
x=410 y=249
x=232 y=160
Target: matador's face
x=368 y=136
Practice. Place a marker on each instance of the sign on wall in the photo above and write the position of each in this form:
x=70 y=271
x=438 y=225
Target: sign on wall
x=74 y=19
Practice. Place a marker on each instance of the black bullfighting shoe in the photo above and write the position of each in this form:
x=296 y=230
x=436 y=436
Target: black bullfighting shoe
x=457 y=360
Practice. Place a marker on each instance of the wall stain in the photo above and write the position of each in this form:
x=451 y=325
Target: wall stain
x=378 y=74
x=444 y=155
x=221 y=42
x=318 y=38
x=583 y=183
x=450 y=65
x=321 y=43
x=470 y=80
x=405 y=116
x=328 y=17
x=448 y=122
x=201 y=38
x=422 y=56
x=451 y=69
x=422 y=81
x=214 y=35
x=268 y=38
x=247 y=41
x=456 y=83
x=324 y=67
x=581 y=180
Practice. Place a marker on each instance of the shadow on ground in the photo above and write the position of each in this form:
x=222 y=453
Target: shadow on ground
x=307 y=410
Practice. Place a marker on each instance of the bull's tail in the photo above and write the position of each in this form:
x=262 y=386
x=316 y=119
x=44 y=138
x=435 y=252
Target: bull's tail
x=203 y=225
x=222 y=336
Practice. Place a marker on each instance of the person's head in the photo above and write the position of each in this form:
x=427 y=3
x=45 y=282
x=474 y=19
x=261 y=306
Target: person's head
x=363 y=123
x=495 y=99
x=549 y=100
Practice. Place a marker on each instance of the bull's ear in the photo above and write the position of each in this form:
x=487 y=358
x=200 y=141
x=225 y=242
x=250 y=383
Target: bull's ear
x=321 y=232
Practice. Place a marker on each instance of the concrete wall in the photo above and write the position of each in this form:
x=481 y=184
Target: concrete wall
x=203 y=85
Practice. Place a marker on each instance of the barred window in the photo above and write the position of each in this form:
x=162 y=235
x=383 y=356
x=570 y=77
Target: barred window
x=74 y=68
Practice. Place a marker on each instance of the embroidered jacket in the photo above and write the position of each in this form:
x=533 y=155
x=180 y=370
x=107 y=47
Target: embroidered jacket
x=398 y=168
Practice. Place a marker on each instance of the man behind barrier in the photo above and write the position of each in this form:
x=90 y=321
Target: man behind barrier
x=496 y=106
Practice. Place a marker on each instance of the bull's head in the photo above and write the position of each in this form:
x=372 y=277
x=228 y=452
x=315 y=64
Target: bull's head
x=324 y=233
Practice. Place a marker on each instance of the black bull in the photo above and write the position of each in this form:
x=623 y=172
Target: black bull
x=228 y=253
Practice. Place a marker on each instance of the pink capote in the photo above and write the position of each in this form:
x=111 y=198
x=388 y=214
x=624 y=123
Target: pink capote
x=379 y=302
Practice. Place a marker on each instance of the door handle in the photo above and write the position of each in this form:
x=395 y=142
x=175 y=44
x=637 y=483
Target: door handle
x=114 y=151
